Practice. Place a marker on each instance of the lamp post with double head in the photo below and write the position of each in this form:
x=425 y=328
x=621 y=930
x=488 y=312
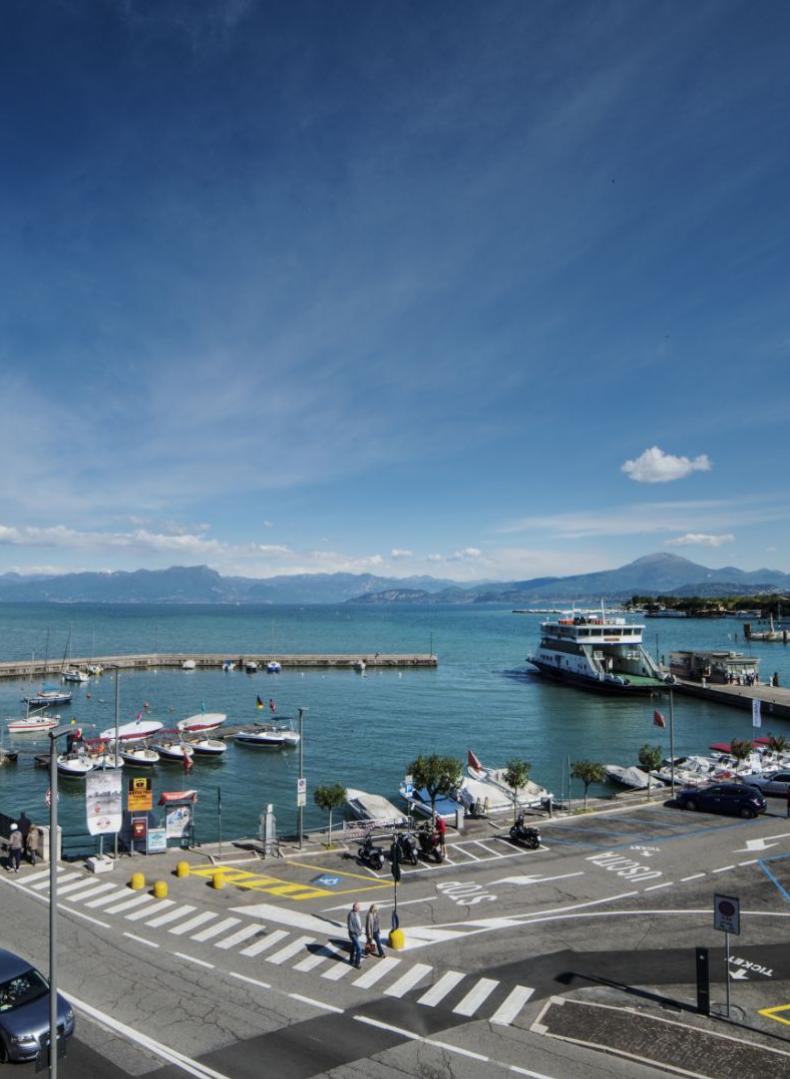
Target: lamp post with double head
x=54 y=735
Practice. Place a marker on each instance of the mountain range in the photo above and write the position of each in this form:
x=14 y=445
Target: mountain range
x=654 y=574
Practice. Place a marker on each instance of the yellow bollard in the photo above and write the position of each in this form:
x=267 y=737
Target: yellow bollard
x=160 y=889
x=182 y=869
x=137 y=883
x=397 y=940
x=218 y=879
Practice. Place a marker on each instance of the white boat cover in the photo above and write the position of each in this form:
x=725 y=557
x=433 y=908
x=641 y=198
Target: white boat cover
x=373 y=807
x=203 y=721
x=130 y=732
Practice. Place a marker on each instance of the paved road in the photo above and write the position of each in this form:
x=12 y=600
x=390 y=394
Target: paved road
x=257 y=972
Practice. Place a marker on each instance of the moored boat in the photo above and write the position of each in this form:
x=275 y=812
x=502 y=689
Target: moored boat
x=419 y=802
x=201 y=723
x=74 y=765
x=32 y=724
x=528 y=796
x=207 y=747
x=276 y=735
x=373 y=807
x=188 y=665
x=132 y=732
x=273 y=667
x=250 y=666
x=172 y=750
x=633 y=778
x=74 y=675
x=48 y=695
x=138 y=756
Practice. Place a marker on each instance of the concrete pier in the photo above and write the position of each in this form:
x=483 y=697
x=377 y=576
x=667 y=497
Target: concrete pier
x=54 y=668
x=775 y=700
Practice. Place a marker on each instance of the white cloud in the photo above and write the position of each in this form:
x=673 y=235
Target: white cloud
x=401 y=552
x=701 y=539
x=655 y=466
x=435 y=558
x=465 y=555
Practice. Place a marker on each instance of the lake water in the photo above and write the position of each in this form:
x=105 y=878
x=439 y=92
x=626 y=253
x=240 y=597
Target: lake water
x=359 y=731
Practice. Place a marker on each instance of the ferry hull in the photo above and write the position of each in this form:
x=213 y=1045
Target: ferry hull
x=595 y=685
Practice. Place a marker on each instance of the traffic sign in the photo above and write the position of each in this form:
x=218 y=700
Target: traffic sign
x=301 y=792
x=727 y=914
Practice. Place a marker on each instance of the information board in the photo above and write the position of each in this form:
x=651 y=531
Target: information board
x=140 y=797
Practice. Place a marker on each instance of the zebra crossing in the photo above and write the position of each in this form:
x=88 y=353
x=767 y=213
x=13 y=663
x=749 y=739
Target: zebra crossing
x=466 y=995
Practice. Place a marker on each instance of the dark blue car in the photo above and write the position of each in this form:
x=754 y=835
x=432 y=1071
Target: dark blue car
x=739 y=799
x=24 y=1009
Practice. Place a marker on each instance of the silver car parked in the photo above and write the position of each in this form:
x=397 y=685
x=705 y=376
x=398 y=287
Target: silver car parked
x=24 y=1010
x=777 y=783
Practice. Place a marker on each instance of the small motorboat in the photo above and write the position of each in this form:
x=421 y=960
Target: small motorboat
x=8 y=756
x=48 y=695
x=188 y=665
x=359 y=665
x=74 y=675
x=173 y=751
x=273 y=667
x=132 y=732
x=32 y=724
x=106 y=759
x=94 y=668
x=250 y=666
x=138 y=756
x=202 y=723
x=278 y=735
x=207 y=747
x=420 y=802
x=479 y=797
x=74 y=765
x=634 y=778
x=228 y=665
x=529 y=796
x=373 y=807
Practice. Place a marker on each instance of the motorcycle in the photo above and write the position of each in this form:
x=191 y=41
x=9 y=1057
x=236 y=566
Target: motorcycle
x=370 y=855
x=409 y=848
x=524 y=834
x=430 y=843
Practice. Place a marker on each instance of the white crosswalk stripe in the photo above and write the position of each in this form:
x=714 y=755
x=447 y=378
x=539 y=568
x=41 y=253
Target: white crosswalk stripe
x=408 y=980
x=215 y=930
x=440 y=989
x=171 y=916
x=44 y=884
x=109 y=898
x=267 y=942
x=512 y=1005
x=39 y=876
x=244 y=933
x=97 y=889
x=377 y=972
x=146 y=912
x=479 y=993
x=193 y=923
x=128 y=904
x=76 y=885
x=316 y=958
x=290 y=950
x=339 y=970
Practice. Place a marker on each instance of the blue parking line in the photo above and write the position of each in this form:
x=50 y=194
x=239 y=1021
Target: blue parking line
x=773 y=880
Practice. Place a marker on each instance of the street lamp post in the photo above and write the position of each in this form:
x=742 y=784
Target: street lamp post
x=301 y=774
x=53 y=895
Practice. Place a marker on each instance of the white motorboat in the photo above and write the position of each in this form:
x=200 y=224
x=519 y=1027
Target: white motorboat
x=74 y=765
x=48 y=695
x=419 y=801
x=273 y=667
x=172 y=750
x=207 y=747
x=201 y=723
x=138 y=756
x=188 y=665
x=95 y=668
x=277 y=735
x=228 y=665
x=373 y=807
x=359 y=665
x=107 y=759
x=633 y=778
x=32 y=724
x=132 y=732
x=73 y=675
x=478 y=795
x=530 y=795
x=250 y=666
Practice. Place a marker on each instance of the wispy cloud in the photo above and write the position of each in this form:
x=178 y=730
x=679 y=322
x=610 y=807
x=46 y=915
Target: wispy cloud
x=655 y=466
x=401 y=552
x=701 y=539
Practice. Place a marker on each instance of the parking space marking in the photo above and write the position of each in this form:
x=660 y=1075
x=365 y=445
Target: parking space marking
x=723 y=869
x=694 y=876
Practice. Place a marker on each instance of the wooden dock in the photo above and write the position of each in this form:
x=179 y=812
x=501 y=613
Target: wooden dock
x=149 y=661
x=775 y=700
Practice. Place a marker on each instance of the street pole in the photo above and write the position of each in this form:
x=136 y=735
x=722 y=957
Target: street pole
x=672 y=740
x=301 y=774
x=219 y=818
x=727 y=963
x=53 y=896
x=116 y=747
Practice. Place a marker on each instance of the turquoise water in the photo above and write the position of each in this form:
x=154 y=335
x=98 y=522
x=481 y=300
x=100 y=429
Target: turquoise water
x=361 y=732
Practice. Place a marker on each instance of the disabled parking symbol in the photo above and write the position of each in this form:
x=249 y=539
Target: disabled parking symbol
x=326 y=881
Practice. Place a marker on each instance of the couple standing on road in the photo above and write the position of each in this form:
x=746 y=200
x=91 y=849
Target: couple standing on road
x=372 y=932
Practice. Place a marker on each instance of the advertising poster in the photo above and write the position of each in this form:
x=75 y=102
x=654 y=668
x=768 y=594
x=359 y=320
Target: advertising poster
x=178 y=821
x=156 y=841
x=104 y=801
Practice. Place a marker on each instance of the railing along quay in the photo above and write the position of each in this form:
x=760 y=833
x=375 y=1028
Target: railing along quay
x=54 y=668
x=774 y=700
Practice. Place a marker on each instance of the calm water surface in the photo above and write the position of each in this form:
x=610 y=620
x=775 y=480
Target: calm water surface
x=359 y=731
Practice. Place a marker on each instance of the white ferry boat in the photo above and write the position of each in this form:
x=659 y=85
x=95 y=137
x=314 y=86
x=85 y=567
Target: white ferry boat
x=598 y=652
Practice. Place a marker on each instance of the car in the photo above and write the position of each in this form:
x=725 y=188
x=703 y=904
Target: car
x=777 y=782
x=24 y=1009
x=740 y=799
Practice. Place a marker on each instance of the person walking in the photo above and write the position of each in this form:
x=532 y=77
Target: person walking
x=31 y=843
x=354 y=923
x=441 y=831
x=15 y=848
x=373 y=931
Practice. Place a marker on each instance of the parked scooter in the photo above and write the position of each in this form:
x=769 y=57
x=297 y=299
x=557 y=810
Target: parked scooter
x=524 y=834
x=409 y=847
x=370 y=855
x=430 y=843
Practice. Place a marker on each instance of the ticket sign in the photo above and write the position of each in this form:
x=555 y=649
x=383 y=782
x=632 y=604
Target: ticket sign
x=140 y=797
x=301 y=792
x=727 y=914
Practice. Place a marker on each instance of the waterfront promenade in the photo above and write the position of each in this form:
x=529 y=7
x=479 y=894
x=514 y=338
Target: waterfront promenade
x=774 y=700
x=207 y=661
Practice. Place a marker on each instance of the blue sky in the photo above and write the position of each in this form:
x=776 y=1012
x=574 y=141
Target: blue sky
x=481 y=290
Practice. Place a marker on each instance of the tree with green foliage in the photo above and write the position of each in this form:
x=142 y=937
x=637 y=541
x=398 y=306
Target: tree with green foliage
x=588 y=772
x=516 y=775
x=740 y=748
x=777 y=743
x=438 y=774
x=650 y=758
x=329 y=797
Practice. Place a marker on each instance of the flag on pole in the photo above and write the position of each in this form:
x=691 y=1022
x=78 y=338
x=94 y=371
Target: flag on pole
x=258 y=703
x=658 y=719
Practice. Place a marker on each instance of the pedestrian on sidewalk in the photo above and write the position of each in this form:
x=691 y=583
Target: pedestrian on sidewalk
x=15 y=848
x=441 y=831
x=373 y=931
x=354 y=923
x=31 y=843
